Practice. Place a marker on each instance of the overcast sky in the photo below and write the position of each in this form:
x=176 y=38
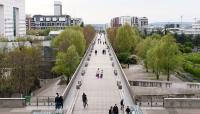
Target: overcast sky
x=101 y=11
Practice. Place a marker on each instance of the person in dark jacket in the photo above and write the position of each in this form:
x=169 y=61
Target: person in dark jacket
x=128 y=111
x=84 y=99
x=115 y=109
x=57 y=101
x=122 y=104
x=61 y=101
x=111 y=110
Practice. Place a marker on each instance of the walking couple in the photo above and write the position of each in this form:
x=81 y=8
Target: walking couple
x=99 y=74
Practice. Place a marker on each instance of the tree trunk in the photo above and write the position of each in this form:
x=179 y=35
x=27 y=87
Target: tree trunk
x=157 y=75
x=168 y=74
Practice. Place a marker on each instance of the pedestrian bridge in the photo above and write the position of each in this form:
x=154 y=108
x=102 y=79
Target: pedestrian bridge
x=102 y=93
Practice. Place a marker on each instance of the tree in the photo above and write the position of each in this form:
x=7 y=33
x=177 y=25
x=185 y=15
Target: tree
x=154 y=60
x=170 y=59
x=126 y=39
x=89 y=34
x=71 y=36
x=112 y=33
x=145 y=45
x=24 y=63
x=66 y=63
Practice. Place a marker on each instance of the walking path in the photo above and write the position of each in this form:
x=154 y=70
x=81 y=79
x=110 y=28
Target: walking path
x=101 y=93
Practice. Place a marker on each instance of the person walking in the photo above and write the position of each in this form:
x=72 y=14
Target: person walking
x=97 y=74
x=128 y=111
x=111 y=110
x=84 y=99
x=95 y=52
x=115 y=109
x=57 y=101
x=101 y=76
x=61 y=101
x=122 y=104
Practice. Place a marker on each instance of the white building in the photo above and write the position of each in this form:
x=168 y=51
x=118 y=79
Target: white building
x=125 y=20
x=12 y=18
x=57 y=8
x=140 y=22
x=195 y=30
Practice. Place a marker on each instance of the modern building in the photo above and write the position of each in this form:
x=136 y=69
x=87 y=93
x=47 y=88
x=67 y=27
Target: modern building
x=76 y=21
x=139 y=22
x=12 y=18
x=195 y=30
x=28 y=22
x=50 y=22
x=57 y=8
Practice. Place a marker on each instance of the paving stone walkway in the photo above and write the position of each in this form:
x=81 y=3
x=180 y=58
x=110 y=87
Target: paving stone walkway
x=101 y=93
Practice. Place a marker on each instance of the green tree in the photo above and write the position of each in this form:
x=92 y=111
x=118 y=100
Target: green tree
x=154 y=60
x=66 y=63
x=126 y=39
x=71 y=37
x=145 y=45
x=170 y=55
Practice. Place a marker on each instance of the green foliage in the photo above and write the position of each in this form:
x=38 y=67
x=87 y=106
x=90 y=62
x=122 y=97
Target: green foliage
x=170 y=58
x=71 y=37
x=160 y=54
x=192 y=68
x=17 y=65
x=3 y=39
x=112 y=33
x=66 y=63
x=126 y=39
x=145 y=45
x=192 y=57
x=123 y=57
x=44 y=32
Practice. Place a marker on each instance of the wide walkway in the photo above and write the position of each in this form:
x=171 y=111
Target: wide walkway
x=101 y=93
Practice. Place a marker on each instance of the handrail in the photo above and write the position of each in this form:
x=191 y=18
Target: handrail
x=123 y=74
x=76 y=72
x=137 y=108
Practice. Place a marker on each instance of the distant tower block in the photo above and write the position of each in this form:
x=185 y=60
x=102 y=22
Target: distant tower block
x=57 y=8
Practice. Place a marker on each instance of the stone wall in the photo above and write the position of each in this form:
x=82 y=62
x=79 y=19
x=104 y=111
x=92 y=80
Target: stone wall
x=12 y=102
x=182 y=102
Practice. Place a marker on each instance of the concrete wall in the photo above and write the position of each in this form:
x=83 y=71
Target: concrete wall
x=182 y=102
x=12 y=102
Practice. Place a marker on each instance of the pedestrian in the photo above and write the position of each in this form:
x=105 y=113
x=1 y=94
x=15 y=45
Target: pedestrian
x=128 y=65
x=95 y=52
x=122 y=104
x=101 y=76
x=97 y=74
x=115 y=109
x=84 y=99
x=57 y=101
x=128 y=111
x=61 y=102
x=111 y=110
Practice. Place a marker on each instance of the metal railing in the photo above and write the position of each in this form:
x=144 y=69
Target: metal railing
x=135 y=108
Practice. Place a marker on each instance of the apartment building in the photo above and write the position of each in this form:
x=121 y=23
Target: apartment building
x=12 y=18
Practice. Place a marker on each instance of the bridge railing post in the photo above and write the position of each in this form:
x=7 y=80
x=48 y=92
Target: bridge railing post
x=37 y=101
x=48 y=101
